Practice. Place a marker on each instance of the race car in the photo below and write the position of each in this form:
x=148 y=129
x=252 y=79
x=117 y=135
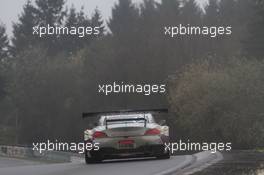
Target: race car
x=126 y=134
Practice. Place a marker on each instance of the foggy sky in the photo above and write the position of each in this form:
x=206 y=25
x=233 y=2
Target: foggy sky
x=10 y=9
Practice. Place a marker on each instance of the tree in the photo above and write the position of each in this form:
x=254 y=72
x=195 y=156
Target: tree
x=4 y=46
x=124 y=27
x=212 y=13
x=45 y=12
x=2 y=83
x=124 y=20
x=54 y=14
x=254 y=45
x=211 y=18
x=191 y=15
x=96 y=21
x=236 y=14
x=4 y=43
x=74 y=43
x=22 y=30
x=47 y=96
x=169 y=13
x=50 y=12
x=227 y=11
x=216 y=101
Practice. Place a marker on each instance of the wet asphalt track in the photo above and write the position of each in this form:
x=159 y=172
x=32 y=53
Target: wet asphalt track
x=148 y=166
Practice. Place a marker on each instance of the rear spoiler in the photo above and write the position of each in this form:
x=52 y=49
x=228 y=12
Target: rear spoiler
x=143 y=111
x=126 y=119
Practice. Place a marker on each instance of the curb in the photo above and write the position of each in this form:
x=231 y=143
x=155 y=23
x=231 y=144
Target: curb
x=203 y=160
x=194 y=163
x=26 y=152
x=190 y=159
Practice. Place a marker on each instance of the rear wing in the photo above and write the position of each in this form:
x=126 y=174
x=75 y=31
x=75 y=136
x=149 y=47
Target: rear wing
x=125 y=120
x=130 y=111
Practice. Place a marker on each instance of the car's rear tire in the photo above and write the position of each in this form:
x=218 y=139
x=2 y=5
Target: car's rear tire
x=164 y=156
x=92 y=159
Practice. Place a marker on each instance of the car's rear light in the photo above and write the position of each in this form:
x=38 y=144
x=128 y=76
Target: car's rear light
x=152 y=132
x=99 y=134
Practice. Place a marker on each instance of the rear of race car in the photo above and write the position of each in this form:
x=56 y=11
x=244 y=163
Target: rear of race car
x=122 y=138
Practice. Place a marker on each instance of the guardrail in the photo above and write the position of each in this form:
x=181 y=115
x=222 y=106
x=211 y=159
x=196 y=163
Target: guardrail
x=25 y=152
